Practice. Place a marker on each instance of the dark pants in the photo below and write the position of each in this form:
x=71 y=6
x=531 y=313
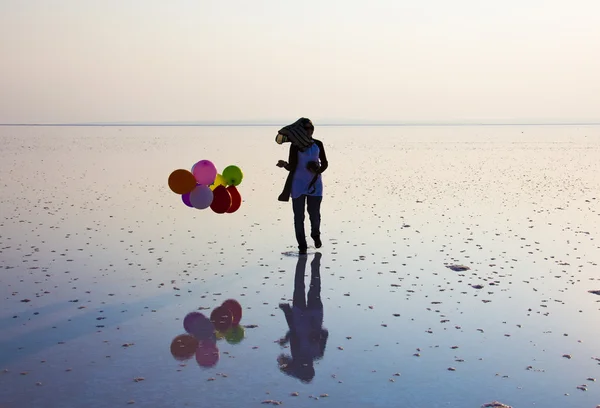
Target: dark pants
x=313 y=206
x=313 y=298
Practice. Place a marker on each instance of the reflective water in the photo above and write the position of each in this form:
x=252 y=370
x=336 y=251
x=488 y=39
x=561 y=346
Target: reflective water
x=101 y=262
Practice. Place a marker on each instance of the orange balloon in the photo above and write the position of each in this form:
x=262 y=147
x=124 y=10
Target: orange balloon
x=182 y=181
x=221 y=200
x=236 y=199
x=184 y=347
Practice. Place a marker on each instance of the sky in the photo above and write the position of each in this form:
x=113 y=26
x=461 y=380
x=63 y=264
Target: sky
x=82 y=61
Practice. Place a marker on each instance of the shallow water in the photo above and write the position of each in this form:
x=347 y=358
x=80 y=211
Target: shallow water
x=111 y=262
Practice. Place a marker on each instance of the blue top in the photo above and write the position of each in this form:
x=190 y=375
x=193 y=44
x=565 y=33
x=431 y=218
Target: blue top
x=308 y=324
x=303 y=176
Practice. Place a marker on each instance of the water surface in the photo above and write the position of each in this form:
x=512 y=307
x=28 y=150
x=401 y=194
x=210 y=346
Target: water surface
x=101 y=262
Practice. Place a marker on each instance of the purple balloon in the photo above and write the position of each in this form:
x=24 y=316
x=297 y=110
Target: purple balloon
x=199 y=326
x=201 y=197
x=186 y=199
x=205 y=172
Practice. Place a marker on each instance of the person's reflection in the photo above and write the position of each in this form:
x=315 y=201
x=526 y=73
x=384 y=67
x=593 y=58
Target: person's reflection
x=306 y=334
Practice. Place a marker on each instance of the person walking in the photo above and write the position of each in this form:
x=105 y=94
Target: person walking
x=307 y=161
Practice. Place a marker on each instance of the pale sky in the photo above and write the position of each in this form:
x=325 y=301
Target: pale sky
x=378 y=60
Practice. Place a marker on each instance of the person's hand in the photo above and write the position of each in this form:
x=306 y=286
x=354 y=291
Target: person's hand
x=282 y=163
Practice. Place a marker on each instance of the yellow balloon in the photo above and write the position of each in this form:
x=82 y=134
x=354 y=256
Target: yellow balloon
x=219 y=181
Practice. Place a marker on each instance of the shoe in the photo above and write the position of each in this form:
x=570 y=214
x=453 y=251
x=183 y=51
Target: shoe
x=318 y=243
x=302 y=251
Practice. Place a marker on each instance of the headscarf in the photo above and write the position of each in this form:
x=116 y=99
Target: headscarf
x=298 y=133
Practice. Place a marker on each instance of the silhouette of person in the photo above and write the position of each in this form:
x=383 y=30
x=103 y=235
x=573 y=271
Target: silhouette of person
x=307 y=161
x=306 y=334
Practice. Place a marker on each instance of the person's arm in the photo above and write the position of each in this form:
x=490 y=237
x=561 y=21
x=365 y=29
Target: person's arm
x=284 y=340
x=289 y=316
x=322 y=156
x=323 y=341
x=292 y=159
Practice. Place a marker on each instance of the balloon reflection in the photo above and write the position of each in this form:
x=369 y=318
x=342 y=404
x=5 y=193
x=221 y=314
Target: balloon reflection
x=306 y=335
x=184 y=346
x=204 y=332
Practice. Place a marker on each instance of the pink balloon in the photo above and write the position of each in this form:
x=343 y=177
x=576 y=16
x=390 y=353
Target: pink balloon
x=201 y=197
x=205 y=172
x=207 y=354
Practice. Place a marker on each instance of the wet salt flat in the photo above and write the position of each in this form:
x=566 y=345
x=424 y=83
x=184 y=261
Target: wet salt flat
x=457 y=269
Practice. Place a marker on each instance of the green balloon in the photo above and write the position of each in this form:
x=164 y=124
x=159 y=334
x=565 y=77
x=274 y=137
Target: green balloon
x=234 y=335
x=233 y=175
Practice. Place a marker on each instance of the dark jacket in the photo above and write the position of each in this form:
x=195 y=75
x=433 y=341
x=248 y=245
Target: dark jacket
x=292 y=164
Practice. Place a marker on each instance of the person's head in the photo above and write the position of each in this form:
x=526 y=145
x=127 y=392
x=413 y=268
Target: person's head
x=305 y=372
x=300 y=368
x=298 y=133
x=308 y=126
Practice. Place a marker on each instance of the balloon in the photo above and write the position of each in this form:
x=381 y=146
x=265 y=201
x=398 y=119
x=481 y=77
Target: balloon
x=201 y=197
x=181 y=181
x=205 y=172
x=222 y=318
x=234 y=335
x=235 y=308
x=186 y=199
x=236 y=199
x=219 y=181
x=199 y=326
x=221 y=200
x=183 y=347
x=207 y=355
x=233 y=175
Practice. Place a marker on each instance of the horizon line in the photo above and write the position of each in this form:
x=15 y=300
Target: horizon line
x=276 y=123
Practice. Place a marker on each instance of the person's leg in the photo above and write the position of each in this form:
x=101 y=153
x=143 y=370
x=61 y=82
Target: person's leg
x=314 y=292
x=314 y=212
x=299 y=299
x=298 y=205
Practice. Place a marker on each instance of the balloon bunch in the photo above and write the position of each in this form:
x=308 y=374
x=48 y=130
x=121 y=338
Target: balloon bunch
x=203 y=187
x=203 y=333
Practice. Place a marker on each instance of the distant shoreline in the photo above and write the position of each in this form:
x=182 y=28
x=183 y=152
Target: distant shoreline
x=149 y=124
